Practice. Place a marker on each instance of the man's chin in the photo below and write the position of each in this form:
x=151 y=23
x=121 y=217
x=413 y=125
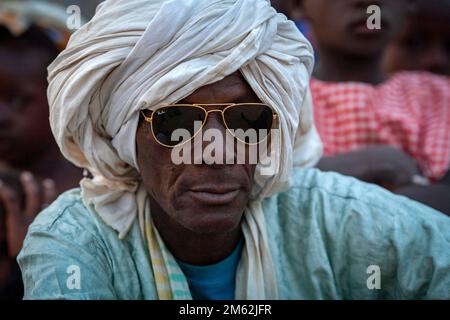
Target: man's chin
x=213 y=220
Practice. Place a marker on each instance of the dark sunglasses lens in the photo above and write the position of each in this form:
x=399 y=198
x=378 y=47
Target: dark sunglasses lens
x=250 y=123
x=167 y=120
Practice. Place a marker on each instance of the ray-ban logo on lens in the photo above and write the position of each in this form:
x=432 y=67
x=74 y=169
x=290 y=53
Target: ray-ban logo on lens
x=374 y=279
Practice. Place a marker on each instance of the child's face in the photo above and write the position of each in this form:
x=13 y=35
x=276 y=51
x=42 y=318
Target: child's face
x=341 y=25
x=424 y=42
x=24 y=127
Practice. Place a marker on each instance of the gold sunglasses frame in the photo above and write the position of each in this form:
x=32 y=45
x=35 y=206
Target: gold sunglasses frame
x=207 y=112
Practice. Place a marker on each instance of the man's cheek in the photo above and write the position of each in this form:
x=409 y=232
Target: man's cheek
x=160 y=180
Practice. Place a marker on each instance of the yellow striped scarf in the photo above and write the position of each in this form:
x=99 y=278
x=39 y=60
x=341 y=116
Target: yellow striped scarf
x=171 y=284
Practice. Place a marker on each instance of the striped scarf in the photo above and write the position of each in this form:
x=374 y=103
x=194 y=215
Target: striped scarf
x=171 y=284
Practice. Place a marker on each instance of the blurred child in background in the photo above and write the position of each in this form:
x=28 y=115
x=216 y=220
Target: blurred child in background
x=32 y=170
x=391 y=131
x=423 y=42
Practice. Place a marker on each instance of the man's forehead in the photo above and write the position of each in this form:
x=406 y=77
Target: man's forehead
x=233 y=88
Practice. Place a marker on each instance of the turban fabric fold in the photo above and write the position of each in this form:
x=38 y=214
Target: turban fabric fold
x=142 y=54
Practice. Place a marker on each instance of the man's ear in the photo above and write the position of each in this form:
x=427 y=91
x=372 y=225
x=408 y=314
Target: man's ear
x=296 y=9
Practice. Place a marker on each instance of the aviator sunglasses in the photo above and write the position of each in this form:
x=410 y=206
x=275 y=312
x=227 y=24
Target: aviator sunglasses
x=239 y=119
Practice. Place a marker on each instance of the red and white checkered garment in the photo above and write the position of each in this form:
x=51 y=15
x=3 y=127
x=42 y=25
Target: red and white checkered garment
x=409 y=111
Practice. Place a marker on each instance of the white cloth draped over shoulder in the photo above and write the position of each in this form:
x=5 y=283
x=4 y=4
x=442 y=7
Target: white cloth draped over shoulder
x=141 y=54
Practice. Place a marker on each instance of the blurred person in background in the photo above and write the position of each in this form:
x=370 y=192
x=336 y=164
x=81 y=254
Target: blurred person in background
x=423 y=42
x=391 y=131
x=32 y=170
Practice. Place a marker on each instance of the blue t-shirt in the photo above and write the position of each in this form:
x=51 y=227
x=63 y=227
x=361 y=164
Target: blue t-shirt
x=215 y=281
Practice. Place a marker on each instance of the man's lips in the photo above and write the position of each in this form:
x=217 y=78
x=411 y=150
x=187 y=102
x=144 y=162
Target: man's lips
x=214 y=195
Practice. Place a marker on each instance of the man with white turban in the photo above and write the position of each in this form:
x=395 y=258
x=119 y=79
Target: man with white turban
x=144 y=227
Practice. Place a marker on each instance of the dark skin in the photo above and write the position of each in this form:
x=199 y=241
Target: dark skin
x=29 y=157
x=196 y=227
x=348 y=52
x=423 y=42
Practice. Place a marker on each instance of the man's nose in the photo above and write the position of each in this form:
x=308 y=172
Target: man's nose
x=214 y=121
x=214 y=145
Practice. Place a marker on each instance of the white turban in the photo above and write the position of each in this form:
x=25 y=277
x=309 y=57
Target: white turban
x=141 y=54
